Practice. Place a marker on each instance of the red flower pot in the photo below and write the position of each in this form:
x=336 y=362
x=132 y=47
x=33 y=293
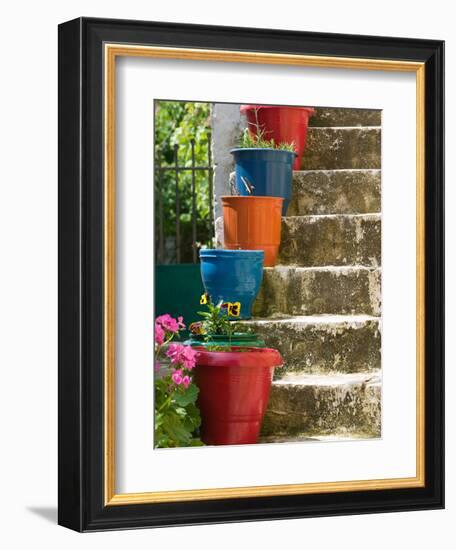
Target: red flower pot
x=283 y=124
x=234 y=392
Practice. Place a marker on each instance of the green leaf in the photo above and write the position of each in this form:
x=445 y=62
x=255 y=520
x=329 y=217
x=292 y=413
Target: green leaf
x=189 y=396
x=159 y=418
x=194 y=413
x=181 y=411
x=196 y=442
x=176 y=430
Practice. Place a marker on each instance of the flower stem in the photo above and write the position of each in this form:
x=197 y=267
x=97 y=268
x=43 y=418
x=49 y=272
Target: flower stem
x=165 y=403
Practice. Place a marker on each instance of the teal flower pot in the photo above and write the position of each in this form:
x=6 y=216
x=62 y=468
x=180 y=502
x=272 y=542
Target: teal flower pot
x=232 y=276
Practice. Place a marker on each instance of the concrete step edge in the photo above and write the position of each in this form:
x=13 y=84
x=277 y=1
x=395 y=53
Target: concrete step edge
x=329 y=171
x=363 y=127
x=325 y=319
x=323 y=268
x=370 y=216
x=301 y=379
x=341 y=436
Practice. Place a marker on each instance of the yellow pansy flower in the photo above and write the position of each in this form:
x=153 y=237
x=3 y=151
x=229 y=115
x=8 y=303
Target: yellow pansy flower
x=234 y=309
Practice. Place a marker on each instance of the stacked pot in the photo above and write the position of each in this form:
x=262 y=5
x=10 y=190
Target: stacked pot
x=234 y=384
x=252 y=219
x=282 y=124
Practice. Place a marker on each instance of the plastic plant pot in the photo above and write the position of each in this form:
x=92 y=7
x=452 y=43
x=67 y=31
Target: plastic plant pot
x=234 y=391
x=232 y=276
x=265 y=173
x=283 y=124
x=247 y=339
x=253 y=223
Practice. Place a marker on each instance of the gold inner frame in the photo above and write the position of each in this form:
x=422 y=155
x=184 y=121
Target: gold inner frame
x=111 y=52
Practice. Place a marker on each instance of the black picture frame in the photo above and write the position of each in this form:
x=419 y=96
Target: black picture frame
x=81 y=429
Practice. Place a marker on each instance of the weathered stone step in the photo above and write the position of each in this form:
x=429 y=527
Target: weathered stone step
x=317 y=192
x=342 y=148
x=340 y=435
x=330 y=116
x=323 y=343
x=313 y=404
x=335 y=192
x=326 y=240
x=319 y=290
x=340 y=239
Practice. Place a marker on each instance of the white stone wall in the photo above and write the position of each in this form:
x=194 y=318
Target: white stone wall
x=226 y=130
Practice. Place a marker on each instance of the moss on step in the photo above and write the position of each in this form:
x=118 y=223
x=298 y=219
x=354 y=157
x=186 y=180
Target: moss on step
x=335 y=192
x=322 y=404
x=330 y=116
x=323 y=344
x=342 y=148
x=331 y=240
x=313 y=291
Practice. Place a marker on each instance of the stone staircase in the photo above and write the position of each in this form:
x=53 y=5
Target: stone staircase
x=321 y=305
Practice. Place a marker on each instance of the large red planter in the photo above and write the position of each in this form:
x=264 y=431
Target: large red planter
x=234 y=392
x=283 y=124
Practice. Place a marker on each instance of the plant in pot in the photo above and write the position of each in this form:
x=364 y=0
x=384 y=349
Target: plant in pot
x=232 y=276
x=177 y=418
x=263 y=167
x=283 y=124
x=234 y=384
x=219 y=327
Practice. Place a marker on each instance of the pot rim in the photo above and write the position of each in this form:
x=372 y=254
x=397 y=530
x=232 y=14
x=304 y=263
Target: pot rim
x=245 y=108
x=262 y=150
x=234 y=198
x=230 y=252
x=248 y=357
x=225 y=336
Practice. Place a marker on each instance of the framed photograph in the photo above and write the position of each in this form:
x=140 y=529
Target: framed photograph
x=251 y=274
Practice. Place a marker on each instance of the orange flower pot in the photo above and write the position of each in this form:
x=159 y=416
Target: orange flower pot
x=253 y=223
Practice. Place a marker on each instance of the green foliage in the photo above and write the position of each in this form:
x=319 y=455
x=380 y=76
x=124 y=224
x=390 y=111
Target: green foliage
x=258 y=139
x=177 y=418
x=216 y=321
x=177 y=123
x=260 y=142
x=176 y=414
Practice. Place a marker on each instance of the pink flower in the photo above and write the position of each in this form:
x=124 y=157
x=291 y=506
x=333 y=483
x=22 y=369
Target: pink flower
x=186 y=381
x=188 y=357
x=183 y=355
x=180 y=322
x=168 y=323
x=174 y=352
x=176 y=377
x=157 y=366
x=159 y=334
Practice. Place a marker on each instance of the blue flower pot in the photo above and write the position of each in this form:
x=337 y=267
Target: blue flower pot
x=268 y=171
x=232 y=276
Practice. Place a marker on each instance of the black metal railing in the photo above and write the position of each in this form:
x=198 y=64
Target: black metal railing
x=197 y=232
